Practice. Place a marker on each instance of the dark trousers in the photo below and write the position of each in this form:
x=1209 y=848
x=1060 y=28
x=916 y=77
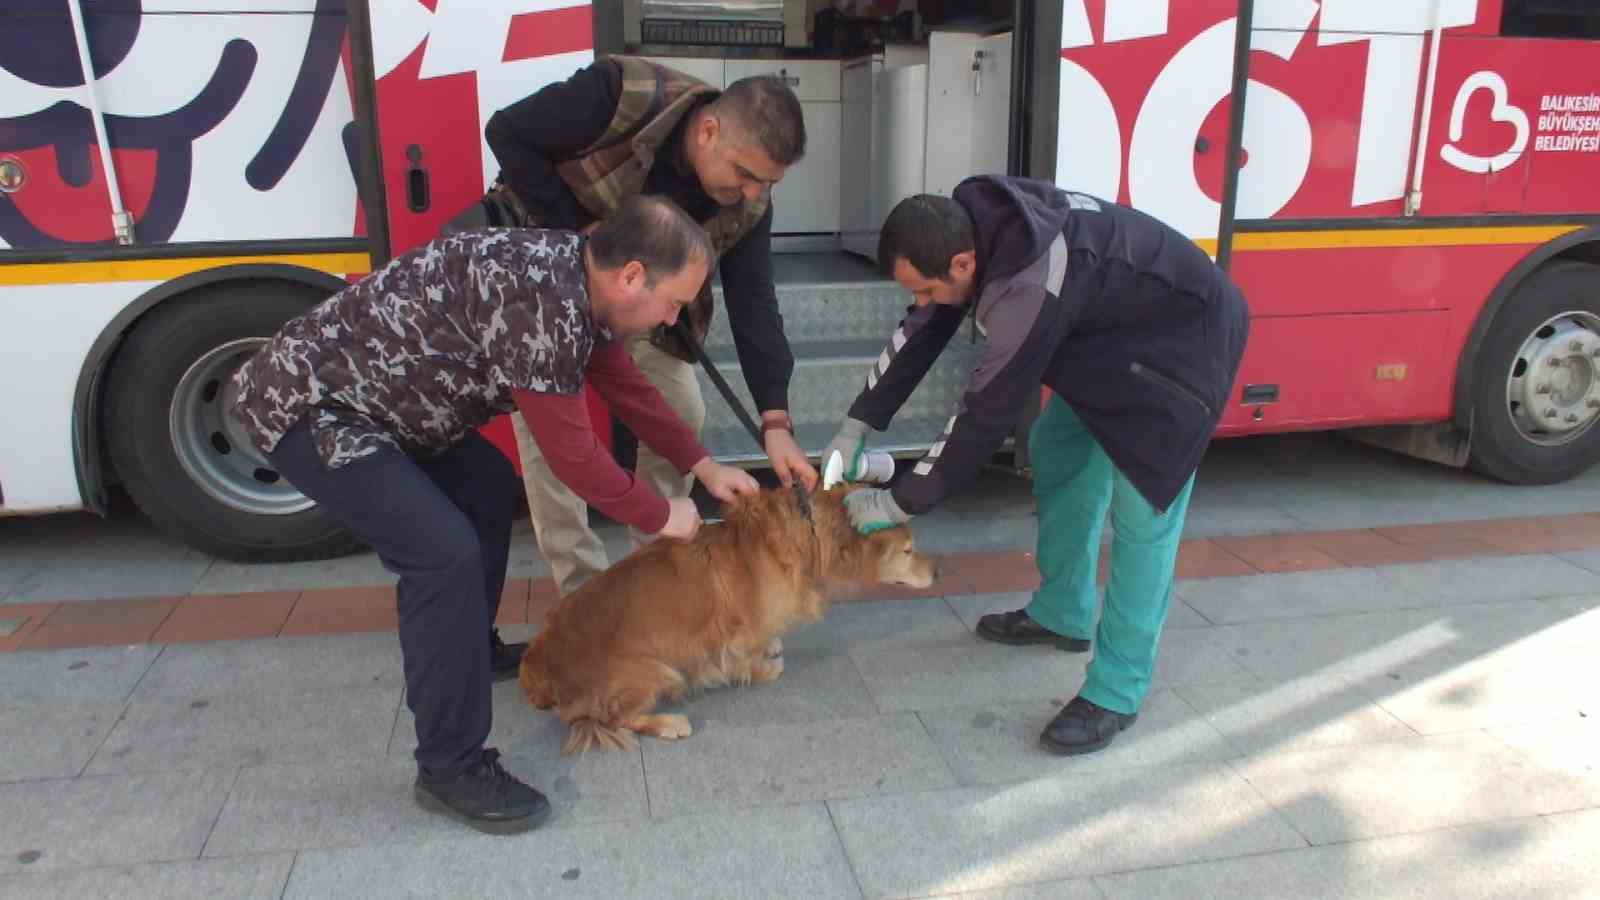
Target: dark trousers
x=442 y=524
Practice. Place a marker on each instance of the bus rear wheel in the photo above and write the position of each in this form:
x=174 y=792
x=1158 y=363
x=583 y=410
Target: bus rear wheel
x=184 y=460
x=1536 y=397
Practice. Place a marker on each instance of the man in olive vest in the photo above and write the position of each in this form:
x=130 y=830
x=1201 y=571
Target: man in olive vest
x=621 y=127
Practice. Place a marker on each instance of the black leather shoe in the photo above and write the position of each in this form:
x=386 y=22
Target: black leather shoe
x=1016 y=627
x=484 y=796
x=504 y=658
x=1083 y=727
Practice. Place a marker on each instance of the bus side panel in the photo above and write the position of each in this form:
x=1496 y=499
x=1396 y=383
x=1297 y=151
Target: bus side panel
x=224 y=127
x=1338 y=370
x=1515 y=128
x=49 y=330
x=1315 y=273
x=440 y=75
x=1140 y=95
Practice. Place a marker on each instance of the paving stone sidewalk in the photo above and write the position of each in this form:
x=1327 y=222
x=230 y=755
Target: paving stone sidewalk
x=1418 y=730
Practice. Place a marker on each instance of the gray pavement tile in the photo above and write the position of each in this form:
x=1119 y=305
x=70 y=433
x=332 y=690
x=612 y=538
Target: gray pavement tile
x=1195 y=656
x=592 y=787
x=81 y=675
x=1380 y=644
x=38 y=742
x=1000 y=743
x=722 y=767
x=14 y=571
x=136 y=568
x=1489 y=579
x=108 y=821
x=329 y=727
x=1182 y=615
x=360 y=570
x=244 y=878
x=1570 y=745
x=972 y=607
x=1542 y=677
x=1578 y=615
x=1394 y=787
x=1550 y=858
x=279 y=808
x=787 y=851
x=313 y=805
x=276 y=665
x=1303 y=714
x=1210 y=515
x=811 y=688
x=1293 y=595
x=1070 y=825
x=869 y=626
x=1586 y=559
x=1077 y=889
x=966 y=671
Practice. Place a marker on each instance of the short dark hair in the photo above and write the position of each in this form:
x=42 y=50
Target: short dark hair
x=926 y=230
x=764 y=108
x=655 y=232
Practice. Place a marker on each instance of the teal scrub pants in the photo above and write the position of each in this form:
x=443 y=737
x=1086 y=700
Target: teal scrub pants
x=1074 y=483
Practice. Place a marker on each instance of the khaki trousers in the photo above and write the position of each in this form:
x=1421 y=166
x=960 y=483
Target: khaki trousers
x=561 y=518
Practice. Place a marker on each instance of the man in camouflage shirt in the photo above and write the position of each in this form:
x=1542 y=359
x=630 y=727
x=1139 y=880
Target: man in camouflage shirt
x=369 y=405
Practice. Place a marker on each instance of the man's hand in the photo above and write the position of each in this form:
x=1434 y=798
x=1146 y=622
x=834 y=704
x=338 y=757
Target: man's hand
x=851 y=442
x=724 y=482
x=683 y=519
x=788 y=460
x=874 y=509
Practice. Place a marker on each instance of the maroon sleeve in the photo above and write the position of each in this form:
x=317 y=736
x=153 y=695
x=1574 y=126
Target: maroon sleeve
x=635 y=401
x=560 y=426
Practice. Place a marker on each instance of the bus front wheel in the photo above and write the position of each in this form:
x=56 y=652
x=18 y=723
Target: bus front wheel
x=1536 y=396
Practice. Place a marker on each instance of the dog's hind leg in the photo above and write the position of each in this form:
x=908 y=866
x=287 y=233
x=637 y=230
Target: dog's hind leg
x=644 y=683
x=667 y=726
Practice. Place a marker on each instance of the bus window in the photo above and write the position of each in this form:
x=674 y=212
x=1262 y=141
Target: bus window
x=1550 y=19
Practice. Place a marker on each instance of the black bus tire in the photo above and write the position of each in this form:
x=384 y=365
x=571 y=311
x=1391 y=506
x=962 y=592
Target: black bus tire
x=189 y=470
x=1536 y=390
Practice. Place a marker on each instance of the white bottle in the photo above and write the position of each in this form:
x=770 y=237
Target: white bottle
x=879 y=466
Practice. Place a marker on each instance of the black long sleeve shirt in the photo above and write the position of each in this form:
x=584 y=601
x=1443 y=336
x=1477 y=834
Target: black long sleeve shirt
x=530 y=137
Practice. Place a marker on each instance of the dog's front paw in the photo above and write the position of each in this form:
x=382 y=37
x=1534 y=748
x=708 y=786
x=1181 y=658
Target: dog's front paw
x=673 y=727
x=774 y=648
x=767 y=669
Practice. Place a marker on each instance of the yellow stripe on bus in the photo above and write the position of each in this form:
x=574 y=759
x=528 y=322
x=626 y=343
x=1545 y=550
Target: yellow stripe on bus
x=358 y=263
x=168 y=269
x=1397 y=237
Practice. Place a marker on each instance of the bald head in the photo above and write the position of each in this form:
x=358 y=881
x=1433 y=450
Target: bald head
x=653 y=232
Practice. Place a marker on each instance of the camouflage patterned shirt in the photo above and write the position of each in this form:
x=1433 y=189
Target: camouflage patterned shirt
x=428 y=347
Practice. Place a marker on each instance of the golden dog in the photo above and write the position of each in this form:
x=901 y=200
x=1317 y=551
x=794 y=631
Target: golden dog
x=683 y=615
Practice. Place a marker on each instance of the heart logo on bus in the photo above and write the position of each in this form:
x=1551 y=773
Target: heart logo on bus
x=1502 y=111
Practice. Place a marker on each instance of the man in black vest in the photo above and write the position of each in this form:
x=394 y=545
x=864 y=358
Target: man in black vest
x=716 y=156
x=1138 y=335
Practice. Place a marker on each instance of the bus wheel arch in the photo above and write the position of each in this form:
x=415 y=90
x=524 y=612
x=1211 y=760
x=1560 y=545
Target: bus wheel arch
x=1528 y=381
x=156 y=431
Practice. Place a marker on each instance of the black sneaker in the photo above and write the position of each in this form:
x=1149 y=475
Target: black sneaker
x=504 y=658
x=1016 y=627
x=1083 y=727
x=484 y=796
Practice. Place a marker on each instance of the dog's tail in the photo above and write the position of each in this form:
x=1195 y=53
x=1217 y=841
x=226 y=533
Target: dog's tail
x=586 y=734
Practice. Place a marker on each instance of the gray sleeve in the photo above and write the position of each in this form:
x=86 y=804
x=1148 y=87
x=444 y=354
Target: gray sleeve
x=1025 y=321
